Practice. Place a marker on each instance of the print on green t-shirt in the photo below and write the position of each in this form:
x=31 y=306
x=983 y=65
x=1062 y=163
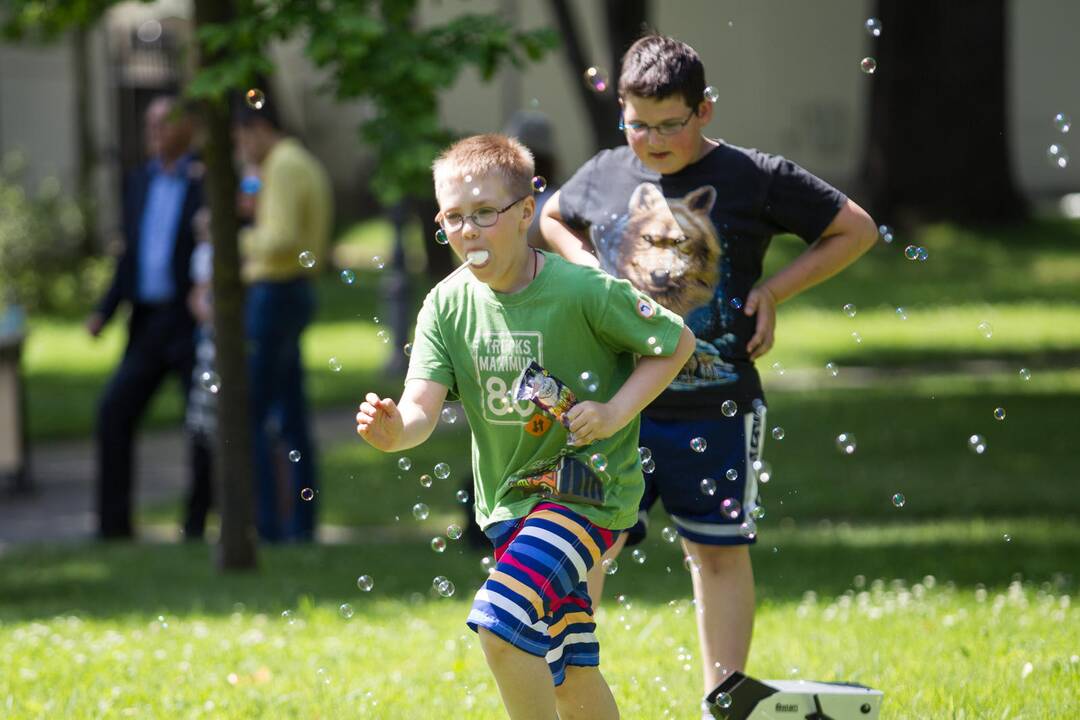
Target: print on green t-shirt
x=571 y=320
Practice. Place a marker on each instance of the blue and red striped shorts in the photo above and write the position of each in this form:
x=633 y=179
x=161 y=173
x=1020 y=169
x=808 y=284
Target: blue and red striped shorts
x=537 y=598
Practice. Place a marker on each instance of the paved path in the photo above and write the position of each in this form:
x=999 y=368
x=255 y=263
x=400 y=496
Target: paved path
x=61 y=505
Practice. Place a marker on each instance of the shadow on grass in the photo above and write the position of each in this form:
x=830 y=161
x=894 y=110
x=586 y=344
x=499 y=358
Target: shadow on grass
x=109 y=581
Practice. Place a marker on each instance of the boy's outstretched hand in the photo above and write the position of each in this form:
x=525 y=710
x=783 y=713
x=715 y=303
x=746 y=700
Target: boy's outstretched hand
x=379 y=422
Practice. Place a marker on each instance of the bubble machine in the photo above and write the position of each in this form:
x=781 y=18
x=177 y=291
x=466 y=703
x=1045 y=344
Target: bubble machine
x=741 y=697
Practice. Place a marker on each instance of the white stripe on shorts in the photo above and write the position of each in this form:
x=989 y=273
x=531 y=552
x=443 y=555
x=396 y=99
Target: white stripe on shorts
x=553 y=539
x=571 y=639
x=511 y=607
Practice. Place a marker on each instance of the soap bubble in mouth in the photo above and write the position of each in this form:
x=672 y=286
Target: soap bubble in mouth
x=477 y=258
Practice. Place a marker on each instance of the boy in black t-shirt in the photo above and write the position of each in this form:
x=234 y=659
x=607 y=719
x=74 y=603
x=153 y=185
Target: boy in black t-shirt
x=688 y=219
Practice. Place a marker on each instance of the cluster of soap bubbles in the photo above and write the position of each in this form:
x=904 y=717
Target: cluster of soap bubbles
x=1056 y=153
x=916 y=252
x=596 y=79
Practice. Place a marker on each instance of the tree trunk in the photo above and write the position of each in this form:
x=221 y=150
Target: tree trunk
x=937 y=146
x=236 y=549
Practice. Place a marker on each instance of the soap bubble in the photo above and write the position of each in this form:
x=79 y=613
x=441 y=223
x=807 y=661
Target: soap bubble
x=383 y=335
x=453 y=532
x=378 y=262
x=977 y=444
x=922 y=254
x=404 y=464
x=365 y=583
x=901 y=313
x=886 y=233
x=898 y=500
x=778 y=368
x=488 y=564
x=758 y=512
x=610 y=566
x=210 y=381
x=335 y=364
x=596 y=79
x=1062 y=122
x=348 y=277
x=638 y=556
x=845 y=443
x=873 y=26
x=446 y=587
x=438 y=544
x=999 y=413
x=732 y=474
x=736 y=303
x=306 y=259
x=868 y=65
x=708 y=486
x=1025 y=374
x=449 y=415
x=911 y=252
x=407 y=349
x=856 y=337
x=421 y=511
x=711 y=94
x=599 y=462
x=462 y=496
x=763 y=470
x=255 y=98
x=778 y=433
x=669 y=534
x=698 y=444
x=589 y=381
x=442 y=471
x=723 y=701
x=849 y=310
x=425 y=480
x=539 y=183
x=748 y=529
x=440 y=237
x=731 y=508
x=648 y=466
x=832 y=369
x=986 y=330
x=1058 y=156
x=437 y=581
x=307 y=494
x=345 y=611
x=644 y=453
x=294 y=456
x=729 y=408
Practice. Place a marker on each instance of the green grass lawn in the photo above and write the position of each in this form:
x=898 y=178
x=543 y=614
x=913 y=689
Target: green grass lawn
x=947 y=618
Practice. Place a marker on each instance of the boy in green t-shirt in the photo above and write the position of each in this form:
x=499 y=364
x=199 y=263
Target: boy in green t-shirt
x=507 y=307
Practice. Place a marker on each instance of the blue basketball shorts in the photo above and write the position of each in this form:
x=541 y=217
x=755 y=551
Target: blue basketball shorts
x=537 y=598
x=710 y=495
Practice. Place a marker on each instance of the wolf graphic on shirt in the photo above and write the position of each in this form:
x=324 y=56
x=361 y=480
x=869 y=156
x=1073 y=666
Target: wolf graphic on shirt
x=669 y=249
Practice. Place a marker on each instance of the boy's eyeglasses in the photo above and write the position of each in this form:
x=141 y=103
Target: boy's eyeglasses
x=668 y=127
x=484 y=217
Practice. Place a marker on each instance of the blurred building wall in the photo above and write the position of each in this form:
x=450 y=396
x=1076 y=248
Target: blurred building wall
x=787 y=72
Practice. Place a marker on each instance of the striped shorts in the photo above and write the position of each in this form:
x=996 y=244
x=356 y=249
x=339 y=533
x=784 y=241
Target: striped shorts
x=536 y=598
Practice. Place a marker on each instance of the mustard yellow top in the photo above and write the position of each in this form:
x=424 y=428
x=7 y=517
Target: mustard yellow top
x=292 y=215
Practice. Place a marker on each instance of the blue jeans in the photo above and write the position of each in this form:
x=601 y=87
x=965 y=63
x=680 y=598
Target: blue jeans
x=277 y=313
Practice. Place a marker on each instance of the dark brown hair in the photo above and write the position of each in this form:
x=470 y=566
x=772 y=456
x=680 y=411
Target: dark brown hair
x=657 y=67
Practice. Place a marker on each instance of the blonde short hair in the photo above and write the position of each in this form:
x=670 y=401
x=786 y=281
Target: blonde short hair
x=489 y=154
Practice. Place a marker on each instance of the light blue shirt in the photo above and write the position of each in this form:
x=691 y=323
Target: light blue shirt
x=158 y=230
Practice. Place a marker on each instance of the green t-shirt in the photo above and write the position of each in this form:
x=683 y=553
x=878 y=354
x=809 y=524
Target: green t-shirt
x=572 y=320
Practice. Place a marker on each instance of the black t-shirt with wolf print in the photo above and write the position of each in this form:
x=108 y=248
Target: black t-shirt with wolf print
x=695 y=241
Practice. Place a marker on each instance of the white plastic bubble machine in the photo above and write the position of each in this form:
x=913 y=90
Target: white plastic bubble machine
x=741 y=697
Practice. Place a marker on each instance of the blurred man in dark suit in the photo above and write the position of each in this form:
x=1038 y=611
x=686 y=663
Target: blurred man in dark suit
x=152 y=276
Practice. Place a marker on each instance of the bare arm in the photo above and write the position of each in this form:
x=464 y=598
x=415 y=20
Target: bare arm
x=850 y=234
x=591 y=421
x=390 y=426
x=571 y=244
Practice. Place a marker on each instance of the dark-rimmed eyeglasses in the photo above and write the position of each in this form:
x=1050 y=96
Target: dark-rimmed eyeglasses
x=667 y=128
x=483 y=217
